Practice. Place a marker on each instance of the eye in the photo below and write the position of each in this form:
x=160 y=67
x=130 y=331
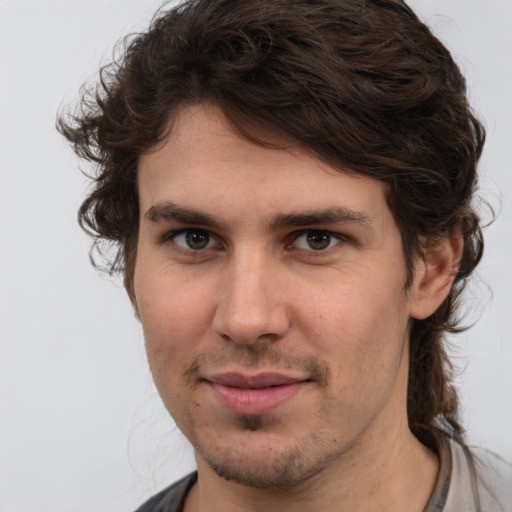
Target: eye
x=194 y=239
x=316 y=240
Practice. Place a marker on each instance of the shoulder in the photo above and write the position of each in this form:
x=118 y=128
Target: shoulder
x=172 y=498
x=479 y=476
x=494 y=478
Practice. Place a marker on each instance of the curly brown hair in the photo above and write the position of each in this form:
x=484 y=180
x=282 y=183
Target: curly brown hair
x=362 y=83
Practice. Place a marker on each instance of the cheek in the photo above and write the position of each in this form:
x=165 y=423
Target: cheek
x=360 y=330
x=175 y=315
x=357 y=309
x=173 y=327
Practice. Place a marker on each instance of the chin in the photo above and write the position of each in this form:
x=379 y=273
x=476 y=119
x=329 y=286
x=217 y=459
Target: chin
x=272 y=474
x=270 y=466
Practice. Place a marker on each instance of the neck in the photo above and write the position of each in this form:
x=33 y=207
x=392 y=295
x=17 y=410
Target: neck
x=386 y=469
x=397 y=475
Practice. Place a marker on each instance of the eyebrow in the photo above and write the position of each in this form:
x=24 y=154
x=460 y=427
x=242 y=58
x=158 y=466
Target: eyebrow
x=171 y=212
x=317 y=217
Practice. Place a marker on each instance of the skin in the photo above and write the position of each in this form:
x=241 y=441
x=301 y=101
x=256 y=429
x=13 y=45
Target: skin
x=254 y=260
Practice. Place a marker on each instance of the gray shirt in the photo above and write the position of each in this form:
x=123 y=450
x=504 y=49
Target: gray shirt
x=479 y=482
x=466 y=478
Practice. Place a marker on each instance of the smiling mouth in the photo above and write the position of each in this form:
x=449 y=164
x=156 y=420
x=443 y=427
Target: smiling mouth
x=254 y=395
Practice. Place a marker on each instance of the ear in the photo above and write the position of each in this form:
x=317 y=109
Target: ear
x=129 y=274
x=434 y=274
x=128 y=286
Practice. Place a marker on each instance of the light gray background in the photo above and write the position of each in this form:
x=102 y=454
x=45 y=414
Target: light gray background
x=81 y=427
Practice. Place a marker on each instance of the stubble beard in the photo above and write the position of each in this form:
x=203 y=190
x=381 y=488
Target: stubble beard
x=269 y=465
x=272 y=468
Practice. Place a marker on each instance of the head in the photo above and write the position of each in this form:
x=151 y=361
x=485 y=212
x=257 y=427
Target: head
x=362 y=85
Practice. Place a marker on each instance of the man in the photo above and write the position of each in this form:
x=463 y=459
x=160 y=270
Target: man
x=289 y=186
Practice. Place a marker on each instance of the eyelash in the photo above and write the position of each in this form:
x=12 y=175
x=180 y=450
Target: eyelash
x=172 y=235
x=337 y=237
x=294 y=237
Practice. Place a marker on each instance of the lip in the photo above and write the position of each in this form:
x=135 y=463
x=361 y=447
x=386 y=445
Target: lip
x=254 y=394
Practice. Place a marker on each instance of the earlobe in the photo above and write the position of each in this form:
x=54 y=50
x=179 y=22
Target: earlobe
x=128 y=286
x=129 y=275
x=434 y=274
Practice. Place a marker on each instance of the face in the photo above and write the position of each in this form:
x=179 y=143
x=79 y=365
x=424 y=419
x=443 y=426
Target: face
x=271 y=291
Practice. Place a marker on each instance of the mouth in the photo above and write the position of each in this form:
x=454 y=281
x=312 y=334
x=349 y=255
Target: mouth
x=254 y=394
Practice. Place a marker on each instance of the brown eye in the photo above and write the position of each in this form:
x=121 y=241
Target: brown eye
x=194 y=239
x=316 y=240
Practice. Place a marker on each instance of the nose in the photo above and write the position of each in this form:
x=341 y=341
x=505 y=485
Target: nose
x=251 y=306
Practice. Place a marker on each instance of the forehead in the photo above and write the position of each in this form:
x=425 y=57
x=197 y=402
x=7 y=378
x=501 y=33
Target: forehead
x=205 y=163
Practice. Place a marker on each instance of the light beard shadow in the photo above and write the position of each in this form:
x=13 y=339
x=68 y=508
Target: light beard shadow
x=251 y=423
x=268 y=356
